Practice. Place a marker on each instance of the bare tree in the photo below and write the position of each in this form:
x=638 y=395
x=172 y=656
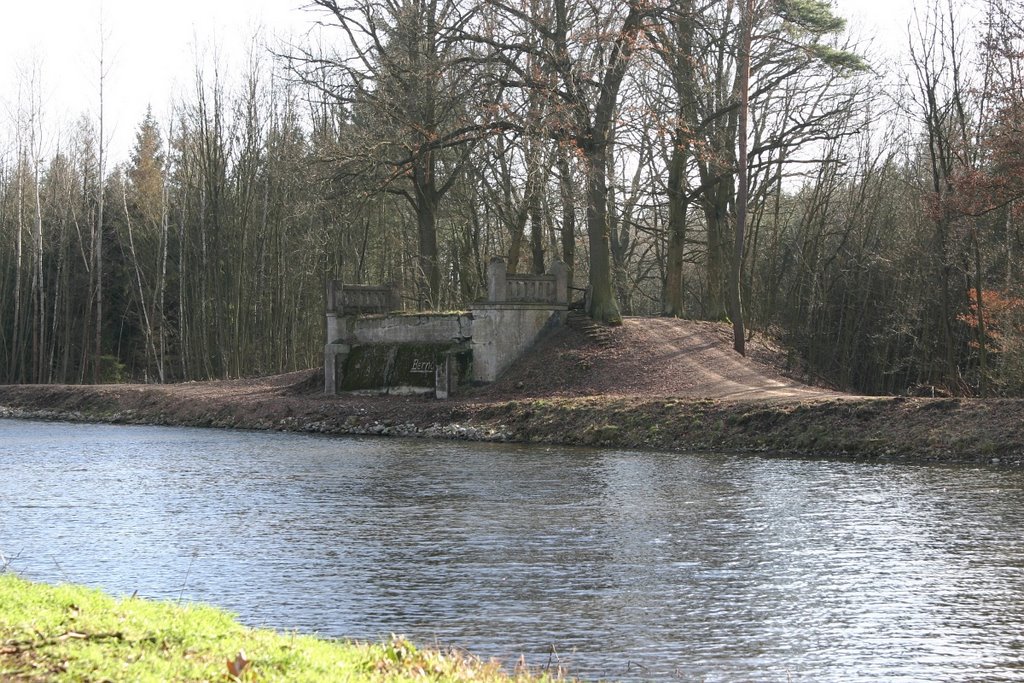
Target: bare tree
x=409 y=80
x=577 y=57
x=103 y=73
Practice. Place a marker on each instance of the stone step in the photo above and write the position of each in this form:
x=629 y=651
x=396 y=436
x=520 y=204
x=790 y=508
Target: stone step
x=595 y=332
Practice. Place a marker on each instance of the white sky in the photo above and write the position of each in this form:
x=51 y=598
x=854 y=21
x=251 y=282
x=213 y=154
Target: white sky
x=151 y=46
x=883 y=22
x=150 y=50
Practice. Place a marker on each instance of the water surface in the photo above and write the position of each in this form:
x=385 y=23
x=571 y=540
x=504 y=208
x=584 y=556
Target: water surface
x=621 y=565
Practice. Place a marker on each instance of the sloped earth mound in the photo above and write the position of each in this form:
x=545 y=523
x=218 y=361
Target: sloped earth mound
x=651 y=383
x=653 y=357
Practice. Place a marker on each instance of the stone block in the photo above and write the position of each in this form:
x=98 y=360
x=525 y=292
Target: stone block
x=497 y=285
x=503 y=332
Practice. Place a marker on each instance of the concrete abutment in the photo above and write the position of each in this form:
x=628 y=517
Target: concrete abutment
x=375 y=348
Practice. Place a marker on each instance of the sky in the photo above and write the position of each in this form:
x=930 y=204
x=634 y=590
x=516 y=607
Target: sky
x=151 y=45
x=881 y=21
x=149 y=48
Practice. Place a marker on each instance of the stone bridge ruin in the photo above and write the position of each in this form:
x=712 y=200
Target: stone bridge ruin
x=372 y=346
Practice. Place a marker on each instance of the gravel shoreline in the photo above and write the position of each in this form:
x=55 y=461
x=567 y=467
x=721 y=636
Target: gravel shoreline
x=892 y=429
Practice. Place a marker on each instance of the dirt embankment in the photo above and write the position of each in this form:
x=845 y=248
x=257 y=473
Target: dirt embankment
x=651 y=383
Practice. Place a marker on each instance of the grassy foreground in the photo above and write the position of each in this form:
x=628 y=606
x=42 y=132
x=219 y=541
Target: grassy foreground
x=71 y=633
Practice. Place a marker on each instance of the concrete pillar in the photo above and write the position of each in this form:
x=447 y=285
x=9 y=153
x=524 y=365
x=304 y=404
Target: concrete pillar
x=329 y=299
x=330 y=371
x=561 y=274
x=332 y=327
x=334 y=359
x=443 y=377
x=497 y=285
x=330 y=355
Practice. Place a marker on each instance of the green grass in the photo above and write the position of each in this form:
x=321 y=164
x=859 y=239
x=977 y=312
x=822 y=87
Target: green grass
x=71 y=633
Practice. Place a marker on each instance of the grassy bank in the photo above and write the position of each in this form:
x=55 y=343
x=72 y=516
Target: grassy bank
x=71 y=633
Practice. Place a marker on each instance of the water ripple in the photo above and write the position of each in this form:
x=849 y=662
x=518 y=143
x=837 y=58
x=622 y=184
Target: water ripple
x=619 y=565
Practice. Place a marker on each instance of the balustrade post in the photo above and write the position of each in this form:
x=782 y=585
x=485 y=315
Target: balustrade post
x=497 y=280
x=561 y=274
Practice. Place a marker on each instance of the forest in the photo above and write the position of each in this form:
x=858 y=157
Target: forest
x=748 y=161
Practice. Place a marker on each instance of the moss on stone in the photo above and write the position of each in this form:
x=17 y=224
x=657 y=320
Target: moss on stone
x=388 y=366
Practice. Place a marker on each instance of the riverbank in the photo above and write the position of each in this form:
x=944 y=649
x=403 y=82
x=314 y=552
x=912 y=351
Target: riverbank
x=72 y=633
x=658 y=384
x=893 y=429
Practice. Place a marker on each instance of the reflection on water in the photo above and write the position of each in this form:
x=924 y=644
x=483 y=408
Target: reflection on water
x=618 y=565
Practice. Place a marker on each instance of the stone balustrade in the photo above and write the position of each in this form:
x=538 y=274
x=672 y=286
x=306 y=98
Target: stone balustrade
x=551 y=288
x=344 y=299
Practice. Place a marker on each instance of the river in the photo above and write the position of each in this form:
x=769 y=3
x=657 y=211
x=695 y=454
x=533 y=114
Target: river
x=612 y=564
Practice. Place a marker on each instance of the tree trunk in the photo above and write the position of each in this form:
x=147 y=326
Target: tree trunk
x=716 y=216
x=515 y=244
x=536 y=235
x=427 y=202
x=980 y=304
x=603 y=306
x=39 y=373
x=568 y=198
x=673 y=303
x=681 y=63
x=735 y=288
x=147 y=329
x=98 y=245
x=16 y=355
x=160 y=315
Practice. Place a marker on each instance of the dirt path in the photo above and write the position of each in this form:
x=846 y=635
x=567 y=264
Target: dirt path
x=692 y=359
x=654 y=357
